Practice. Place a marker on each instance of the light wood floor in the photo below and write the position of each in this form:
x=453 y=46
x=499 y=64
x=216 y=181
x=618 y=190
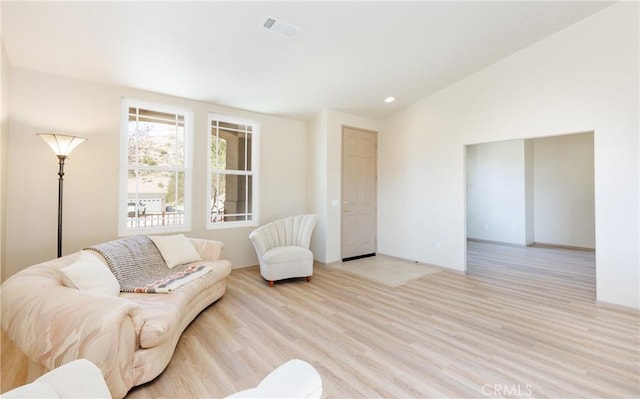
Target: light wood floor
x=522 y=321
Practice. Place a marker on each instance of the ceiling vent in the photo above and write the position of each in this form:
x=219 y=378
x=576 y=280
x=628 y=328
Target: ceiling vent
x=283 y=28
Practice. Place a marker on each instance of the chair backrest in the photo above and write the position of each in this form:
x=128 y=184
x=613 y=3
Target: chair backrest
x=290 y=231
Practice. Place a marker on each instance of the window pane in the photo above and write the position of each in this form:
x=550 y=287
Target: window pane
x=231 y=197
x=249 y=197
x=217 y=197
x=236 y=150
x=249 y=146
x=175 y=190
x=218 y=152
x=155 y=198
x=234 y=126
x=235 y=153
x=146 y=115
x=156 y=141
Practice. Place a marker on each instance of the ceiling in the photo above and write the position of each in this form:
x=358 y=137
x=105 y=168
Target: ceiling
x=347 y=56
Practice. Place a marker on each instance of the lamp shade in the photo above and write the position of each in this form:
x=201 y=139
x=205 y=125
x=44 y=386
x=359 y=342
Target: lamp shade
x=61 y=144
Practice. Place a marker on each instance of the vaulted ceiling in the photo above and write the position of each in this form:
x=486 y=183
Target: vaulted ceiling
x=346 y=56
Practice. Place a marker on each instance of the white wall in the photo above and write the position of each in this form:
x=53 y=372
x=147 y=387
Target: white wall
x=317 y=182
x=563 y=190
x=496 y=191
x=41 y=102
x=5 y=80
x=584 y=78
x=529 y=223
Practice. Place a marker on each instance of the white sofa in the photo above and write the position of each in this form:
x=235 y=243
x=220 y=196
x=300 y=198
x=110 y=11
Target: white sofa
x=82 y=379
x=294 y=379
x=131 y=337
x=282 y=247
x=77 y=379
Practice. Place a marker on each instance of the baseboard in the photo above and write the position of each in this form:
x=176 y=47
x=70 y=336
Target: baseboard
x=505 y=244
x=533 y=244
x=358 y=257
x=547 y=245
x=615 y=306
x=424 y=263
x=245 y=267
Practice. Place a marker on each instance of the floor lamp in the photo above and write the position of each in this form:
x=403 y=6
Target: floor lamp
x=62 y=145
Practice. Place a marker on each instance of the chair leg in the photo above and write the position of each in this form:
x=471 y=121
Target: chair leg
x=271 y=283
x=308 y=278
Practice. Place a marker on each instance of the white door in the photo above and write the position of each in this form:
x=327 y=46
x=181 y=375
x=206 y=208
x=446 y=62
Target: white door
x=359 y=192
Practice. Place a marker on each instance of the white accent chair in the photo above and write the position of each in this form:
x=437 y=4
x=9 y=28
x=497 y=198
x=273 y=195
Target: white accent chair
x=282 y=247
x=77 y=379
x=294 y=379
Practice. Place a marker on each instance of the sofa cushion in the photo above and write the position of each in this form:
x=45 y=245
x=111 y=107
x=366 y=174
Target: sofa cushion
x=88 y=273
x=175 y=249
x=286 y=254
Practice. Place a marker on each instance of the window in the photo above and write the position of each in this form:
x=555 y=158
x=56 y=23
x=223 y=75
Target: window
x=155 y=189
x=232 y=172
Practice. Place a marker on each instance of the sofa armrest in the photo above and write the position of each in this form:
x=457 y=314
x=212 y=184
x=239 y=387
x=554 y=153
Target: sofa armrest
x=207 y=249
x=53 y=324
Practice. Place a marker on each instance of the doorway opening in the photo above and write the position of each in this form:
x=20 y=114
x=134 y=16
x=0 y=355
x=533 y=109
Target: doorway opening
x=530 y=209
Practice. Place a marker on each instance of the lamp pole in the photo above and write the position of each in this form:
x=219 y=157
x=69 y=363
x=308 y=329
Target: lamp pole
x=61 y=159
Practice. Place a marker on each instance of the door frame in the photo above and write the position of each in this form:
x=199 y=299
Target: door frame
x=375 y=225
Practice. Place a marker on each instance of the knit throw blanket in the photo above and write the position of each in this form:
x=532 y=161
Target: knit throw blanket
x=139 y=267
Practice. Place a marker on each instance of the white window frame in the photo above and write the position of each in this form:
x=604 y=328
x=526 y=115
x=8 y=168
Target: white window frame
x=123 y=229
x=254 y=172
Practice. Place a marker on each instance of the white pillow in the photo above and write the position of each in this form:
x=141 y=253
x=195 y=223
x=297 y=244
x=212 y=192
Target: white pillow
x=176 y=250
x=90 y=274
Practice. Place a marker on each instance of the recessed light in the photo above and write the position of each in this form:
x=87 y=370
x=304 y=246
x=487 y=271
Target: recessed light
x=389 y=99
